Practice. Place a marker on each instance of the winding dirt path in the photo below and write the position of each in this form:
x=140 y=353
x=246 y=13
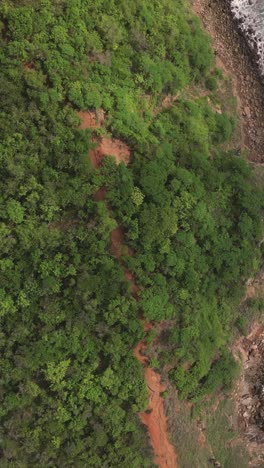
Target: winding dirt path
x=154 y=417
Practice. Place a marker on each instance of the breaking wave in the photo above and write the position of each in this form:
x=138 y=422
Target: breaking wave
x=250 y=15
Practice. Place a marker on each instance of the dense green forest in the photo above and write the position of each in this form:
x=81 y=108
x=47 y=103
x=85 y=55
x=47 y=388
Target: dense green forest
x=70 y=386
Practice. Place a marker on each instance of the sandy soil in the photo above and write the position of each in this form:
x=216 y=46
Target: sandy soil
x=154 y=418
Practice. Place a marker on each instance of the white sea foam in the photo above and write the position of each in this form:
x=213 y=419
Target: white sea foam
x=250 y=14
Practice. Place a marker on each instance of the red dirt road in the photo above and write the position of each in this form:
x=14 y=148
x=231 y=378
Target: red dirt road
x=154 y=418
x=117 y=240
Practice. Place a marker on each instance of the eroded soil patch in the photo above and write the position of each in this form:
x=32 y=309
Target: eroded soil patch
x=116 y=148
x=91 y=119
x=109 y=147
x=104 y=146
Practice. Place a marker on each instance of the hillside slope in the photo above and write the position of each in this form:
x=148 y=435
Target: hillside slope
x=71 y=388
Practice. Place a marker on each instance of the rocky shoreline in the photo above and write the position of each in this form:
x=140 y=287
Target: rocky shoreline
x=237 y=59
x=248 y=18
x=248 y=393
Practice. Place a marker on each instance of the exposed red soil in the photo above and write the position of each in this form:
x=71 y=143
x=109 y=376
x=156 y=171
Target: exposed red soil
x=96 y=156
x=154 y=417
x=105 y=146
x=100 y=194
x=117 y=240
x=28 y=66
x=131 y=278
x=108 y=147
x=155 y=420
x=91 y=119
x=116 y=148
x=88 y=120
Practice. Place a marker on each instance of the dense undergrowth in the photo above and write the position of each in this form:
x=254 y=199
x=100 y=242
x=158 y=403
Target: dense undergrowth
x=194 y=227
x=70 y=386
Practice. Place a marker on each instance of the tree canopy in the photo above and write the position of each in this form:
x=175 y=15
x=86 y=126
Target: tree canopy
x=70 y=386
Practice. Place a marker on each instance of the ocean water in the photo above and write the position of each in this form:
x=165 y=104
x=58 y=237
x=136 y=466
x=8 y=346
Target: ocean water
x=250 y=14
